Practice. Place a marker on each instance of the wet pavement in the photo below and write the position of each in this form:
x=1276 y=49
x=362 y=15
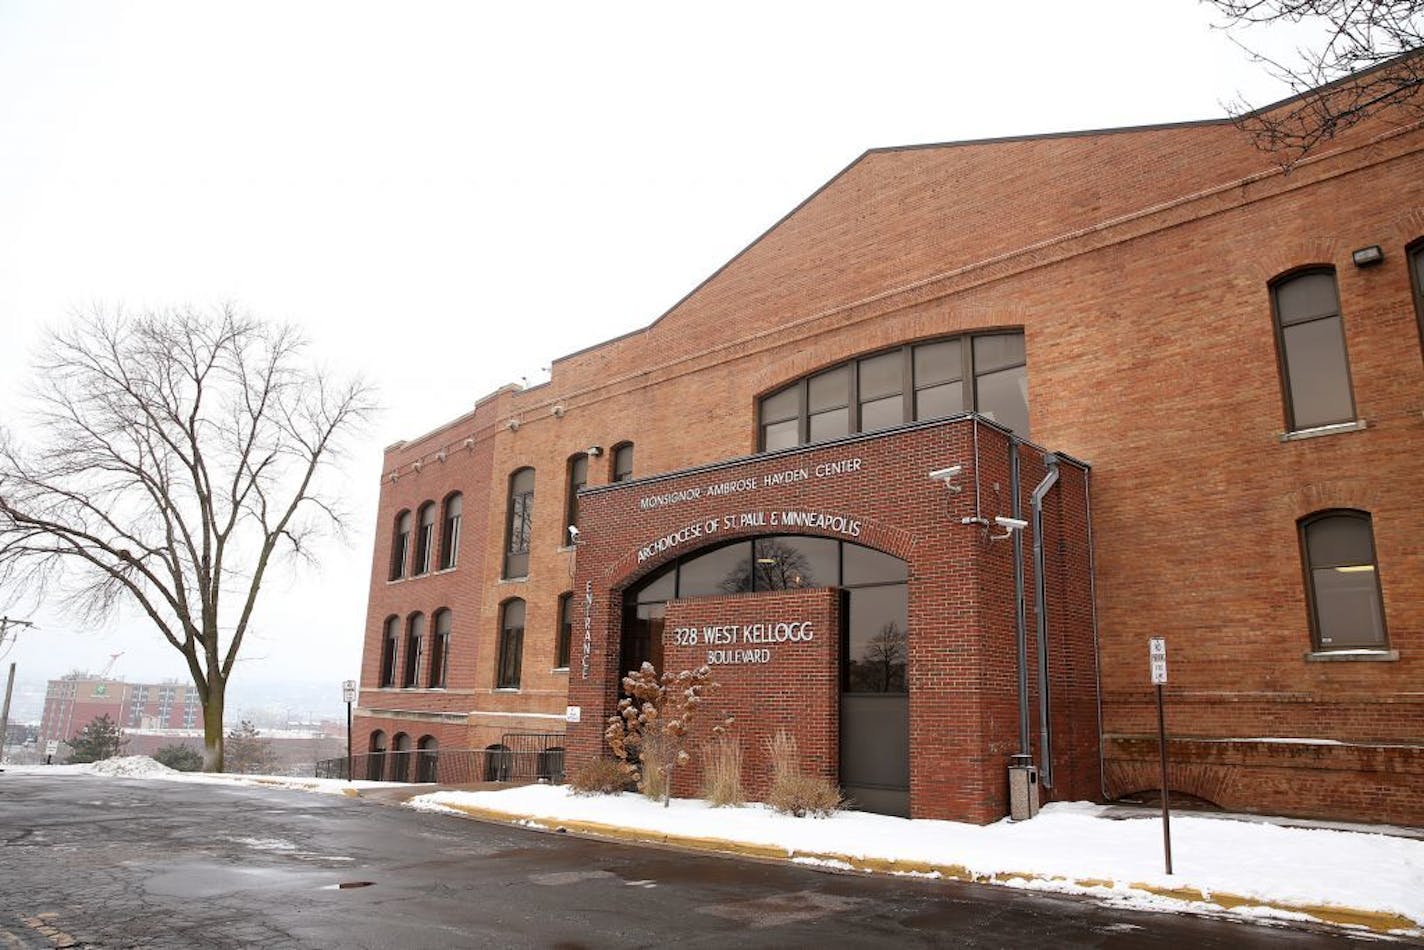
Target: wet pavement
x=87 y=861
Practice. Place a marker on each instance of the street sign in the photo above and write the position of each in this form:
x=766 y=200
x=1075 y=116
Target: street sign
x=52 y=747
x=348 y=691
x=1157 y=657
x=573 y=713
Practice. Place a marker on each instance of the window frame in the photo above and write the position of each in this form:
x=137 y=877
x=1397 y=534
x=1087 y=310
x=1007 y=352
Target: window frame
x=1312 y=596
x=510 y=656
x=910 y=386
x=400 y=545
x=1414 y=258
x=1282 y=361
x=424 y=538
x=571 y=501
x=450 y=529
x=414 y=650
x=564 y=636
x=616 y=471
x=390 y=649
x=440 y=648
x=520 y=507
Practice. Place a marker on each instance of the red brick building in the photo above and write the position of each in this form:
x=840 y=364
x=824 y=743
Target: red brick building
x=1194 y=378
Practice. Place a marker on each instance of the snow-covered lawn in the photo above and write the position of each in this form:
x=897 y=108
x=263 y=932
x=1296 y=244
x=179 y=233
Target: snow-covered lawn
x=1237 y=867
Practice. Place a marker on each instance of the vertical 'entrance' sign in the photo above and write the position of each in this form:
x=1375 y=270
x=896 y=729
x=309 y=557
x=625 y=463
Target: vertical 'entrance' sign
x=1157 y=660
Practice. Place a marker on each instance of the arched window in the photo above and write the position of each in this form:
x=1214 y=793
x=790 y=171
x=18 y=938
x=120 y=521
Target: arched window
x=1346 y=610
x=414 y=643
x=427 y=759
x=424 y=537
x=390 y=640
x=440 y=651
x=400 y=758
x=520 y=523
x=511 y=644
x=566 y=631
x=376 y=757
x=622 y=462
x=450 y=531
x=1315 y=371
x=578 y=478
x=986 y=372
x=400 y=546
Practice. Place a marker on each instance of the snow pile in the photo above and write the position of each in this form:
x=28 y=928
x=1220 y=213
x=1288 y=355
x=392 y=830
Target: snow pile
x=1069 y=847
x=130 y=766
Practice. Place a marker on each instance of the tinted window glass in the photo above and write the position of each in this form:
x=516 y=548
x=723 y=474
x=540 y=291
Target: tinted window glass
x=781 y=435
x=787 y=563
x=882 y=375
x=1344 y=582
x=782 y=405
x=866 y=566
x=829 y=390
x=660 y=587
x=998 y=352
x=938 y=363
x=939 y=401
x=830 y=425
x=1318 y=373
x=1003 y=397
x=722 y=571
x=1306 y=298
x=882 y=413
x=877 y=641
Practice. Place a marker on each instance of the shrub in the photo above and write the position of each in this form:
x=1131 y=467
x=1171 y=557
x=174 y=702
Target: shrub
x=602 y=776
x=792 y=791
x=178 y=756
x=652 y=724
x=722 y=767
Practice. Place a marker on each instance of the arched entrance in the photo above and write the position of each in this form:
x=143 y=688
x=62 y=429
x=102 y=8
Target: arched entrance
x=426 y=759
x=873 y=748
x=376 y=757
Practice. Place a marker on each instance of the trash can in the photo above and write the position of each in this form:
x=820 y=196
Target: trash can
x=1023 y=792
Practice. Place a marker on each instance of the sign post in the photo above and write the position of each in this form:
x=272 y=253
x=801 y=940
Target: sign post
x=348 y=693
x=1157 y=659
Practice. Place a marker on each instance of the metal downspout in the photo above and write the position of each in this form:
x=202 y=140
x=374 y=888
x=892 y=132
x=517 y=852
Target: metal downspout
x=1025 y=753
x=1097 y=655
x=1045 y=736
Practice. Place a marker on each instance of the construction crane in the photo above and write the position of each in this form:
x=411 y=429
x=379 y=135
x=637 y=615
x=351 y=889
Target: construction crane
x=113 y=658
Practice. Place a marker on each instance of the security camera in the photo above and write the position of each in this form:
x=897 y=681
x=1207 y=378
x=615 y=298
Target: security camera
x=945 y=474
x=573 y=534
x=594 y=451
x=1010 y=524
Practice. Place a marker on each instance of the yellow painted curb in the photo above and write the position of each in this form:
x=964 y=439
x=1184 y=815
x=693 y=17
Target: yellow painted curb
x=1376 y=921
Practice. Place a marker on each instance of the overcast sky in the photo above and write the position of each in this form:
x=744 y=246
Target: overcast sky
x=448 y=196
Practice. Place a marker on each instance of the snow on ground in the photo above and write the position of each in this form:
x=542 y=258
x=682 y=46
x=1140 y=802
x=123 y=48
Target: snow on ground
x=141 y=766
x=1069 y=847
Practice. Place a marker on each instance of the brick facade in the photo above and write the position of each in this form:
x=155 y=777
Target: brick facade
x=1137 y=264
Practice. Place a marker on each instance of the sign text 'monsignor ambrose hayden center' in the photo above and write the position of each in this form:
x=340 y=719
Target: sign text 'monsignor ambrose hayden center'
x=922 y=471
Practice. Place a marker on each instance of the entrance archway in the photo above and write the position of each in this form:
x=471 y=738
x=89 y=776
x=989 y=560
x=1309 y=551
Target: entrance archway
x=873 y=655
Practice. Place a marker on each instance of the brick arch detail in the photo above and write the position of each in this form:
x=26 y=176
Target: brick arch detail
x=626 y=571
x=1327 y=495
x=1278 y=259
x=1405 y=228
x=1210 y=783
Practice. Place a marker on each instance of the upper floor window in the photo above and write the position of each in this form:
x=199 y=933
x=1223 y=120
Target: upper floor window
x=1346 y=610
x=986 y=372
x=389 y=641
x=450 y=531
x=400 y=546
x=511 y=644
x=440 y=650
x=1416 y=277
x=521 y=520
x=578 y=478
x=566 y=631
x=622 y=462
x=414 y=644
x=424 y=537
x=1311 y=339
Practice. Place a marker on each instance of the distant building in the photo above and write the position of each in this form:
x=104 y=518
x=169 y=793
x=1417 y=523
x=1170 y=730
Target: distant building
x=73 y=701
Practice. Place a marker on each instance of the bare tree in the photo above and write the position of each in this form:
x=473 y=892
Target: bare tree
x=178 y=458
x=1370 y=61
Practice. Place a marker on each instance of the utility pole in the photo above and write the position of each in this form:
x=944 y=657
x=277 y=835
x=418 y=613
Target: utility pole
x=5 y=624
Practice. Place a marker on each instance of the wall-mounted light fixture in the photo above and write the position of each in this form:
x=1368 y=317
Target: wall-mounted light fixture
x=1368 y=256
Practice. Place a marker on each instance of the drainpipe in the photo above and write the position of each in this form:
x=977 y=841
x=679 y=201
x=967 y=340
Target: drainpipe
x=1045 y=738
x=1025 y=753
x=1097 y=651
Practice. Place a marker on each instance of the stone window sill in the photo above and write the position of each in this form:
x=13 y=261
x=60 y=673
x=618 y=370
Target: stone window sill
x=1349 y=656
x=1316 y=432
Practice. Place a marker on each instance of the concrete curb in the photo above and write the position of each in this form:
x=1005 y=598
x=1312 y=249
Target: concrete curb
x=1373 y=921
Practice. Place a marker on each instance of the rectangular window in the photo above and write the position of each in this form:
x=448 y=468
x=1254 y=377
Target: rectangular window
x=781 y=419
x=1001 y=380
x=511 y=645
x=450 y=533
x=939 y=379
x=623 y=462
x=566 y=631
x=424 y=538
x=578 y=478
x=414 y=645
x=1416 y=276
x=1346 y=609
x=521 y=522
x=828 y=404
x=881 y=390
